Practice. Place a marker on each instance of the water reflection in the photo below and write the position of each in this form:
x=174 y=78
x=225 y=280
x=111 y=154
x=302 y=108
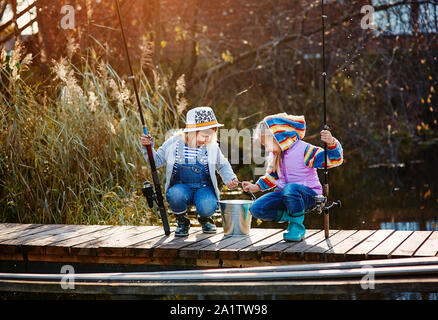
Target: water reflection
x=430 y=225
x=413 y=296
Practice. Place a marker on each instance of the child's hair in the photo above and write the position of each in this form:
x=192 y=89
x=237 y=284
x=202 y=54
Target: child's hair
x=190 y=137
x=262 y=129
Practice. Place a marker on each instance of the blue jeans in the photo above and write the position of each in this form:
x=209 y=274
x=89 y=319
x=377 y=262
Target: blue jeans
x=191 y=185
x=293 y=199
x=180 y=196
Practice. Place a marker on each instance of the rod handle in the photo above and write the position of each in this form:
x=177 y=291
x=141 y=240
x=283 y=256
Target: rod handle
x=326 y=225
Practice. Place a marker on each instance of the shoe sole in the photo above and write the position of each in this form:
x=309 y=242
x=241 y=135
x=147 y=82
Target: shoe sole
x=209 y=232
x=291 y=240
x=181 y=235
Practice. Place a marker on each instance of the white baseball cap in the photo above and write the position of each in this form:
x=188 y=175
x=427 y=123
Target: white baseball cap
x=201 y=118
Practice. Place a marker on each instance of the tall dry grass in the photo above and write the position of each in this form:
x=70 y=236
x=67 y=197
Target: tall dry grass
x=71 y=145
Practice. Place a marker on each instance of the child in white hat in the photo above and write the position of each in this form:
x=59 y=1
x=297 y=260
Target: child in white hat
x=192 y=158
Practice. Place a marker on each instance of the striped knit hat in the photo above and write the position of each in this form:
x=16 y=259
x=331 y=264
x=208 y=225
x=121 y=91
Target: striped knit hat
x=286 y=128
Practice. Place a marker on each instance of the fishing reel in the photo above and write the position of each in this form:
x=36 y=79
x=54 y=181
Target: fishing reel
x=149 y=193
x=321 y=204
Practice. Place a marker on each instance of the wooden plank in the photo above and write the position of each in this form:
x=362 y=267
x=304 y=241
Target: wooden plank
x=429 y=247
x=143 y=237
x=231 y=251
x=90 y=247
x=13 y=245
x=209 y=245
x=192 y=251
x=43 y=238
x=9 y=227
x=274 y=252
x=384 y=249
x=360 y=251
x=33 y=233
x=210 y=251
x=11 y=256
x=76 y=231
x=84 y=259
x=38 y=246
x=338 y=251
x=64 y=246
x=253 y=251
x=171 y=249
x=118 y=239
x=11 y=230
x=145 y=248
x=323 y=248
x=5 y=225
x=115 y=245
x=23 y=231
x=411 y=244
x=296 y=252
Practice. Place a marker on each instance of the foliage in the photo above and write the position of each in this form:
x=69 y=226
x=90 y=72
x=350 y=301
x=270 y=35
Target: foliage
x=71 y=148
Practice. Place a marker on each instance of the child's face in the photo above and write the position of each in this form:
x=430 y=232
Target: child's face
x=205 y=137
x=270 y=144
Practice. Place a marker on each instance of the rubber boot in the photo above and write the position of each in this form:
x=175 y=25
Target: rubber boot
x=182 y=230
x=207 y=225
x=295 y=230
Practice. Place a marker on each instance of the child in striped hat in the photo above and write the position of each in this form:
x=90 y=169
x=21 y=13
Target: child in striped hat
x=291 y=170
x=192 y=158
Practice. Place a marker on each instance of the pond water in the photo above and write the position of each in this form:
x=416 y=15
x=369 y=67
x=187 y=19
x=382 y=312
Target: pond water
x=428 y=296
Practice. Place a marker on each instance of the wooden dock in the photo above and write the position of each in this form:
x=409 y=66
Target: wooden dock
x=147 y=245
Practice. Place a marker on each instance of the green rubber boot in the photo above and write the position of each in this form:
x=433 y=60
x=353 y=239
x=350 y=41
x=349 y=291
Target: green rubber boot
x=295 y=230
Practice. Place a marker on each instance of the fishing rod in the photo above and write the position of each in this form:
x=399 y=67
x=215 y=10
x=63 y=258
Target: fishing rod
x=151 y=195
x=321 y=200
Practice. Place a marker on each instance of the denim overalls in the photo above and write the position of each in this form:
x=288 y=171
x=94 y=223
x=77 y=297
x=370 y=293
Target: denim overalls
x=191 y=185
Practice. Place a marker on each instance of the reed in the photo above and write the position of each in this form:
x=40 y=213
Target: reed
x=71 y=144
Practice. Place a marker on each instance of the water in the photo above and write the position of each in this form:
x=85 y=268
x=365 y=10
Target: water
x=428 y=296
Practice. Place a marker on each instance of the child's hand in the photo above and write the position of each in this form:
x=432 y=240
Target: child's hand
x=250 y=187
x=146 y=140
x=233 y=184
x=326 y=137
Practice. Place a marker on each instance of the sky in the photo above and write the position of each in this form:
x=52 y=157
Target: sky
x=21 y=5
x=397 y=19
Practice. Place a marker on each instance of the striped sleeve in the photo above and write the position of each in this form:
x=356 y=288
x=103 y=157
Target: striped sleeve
x=314 y=157
x=269 y=180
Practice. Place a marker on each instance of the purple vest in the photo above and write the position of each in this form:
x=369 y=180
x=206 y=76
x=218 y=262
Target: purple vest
x=293 y=169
